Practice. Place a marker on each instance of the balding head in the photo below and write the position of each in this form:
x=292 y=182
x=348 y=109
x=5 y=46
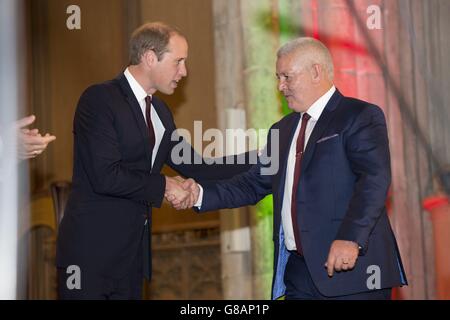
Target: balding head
x=310 y=52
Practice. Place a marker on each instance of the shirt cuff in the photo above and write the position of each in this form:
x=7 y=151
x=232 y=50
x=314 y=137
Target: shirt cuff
x=198 y=204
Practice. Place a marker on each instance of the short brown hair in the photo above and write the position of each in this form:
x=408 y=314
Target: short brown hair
x=150 y=36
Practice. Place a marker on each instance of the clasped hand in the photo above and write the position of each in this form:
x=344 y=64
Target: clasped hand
x=182 y=194
x=30 y=142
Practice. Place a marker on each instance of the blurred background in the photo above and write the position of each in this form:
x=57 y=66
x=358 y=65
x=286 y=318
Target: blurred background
x=393 y=53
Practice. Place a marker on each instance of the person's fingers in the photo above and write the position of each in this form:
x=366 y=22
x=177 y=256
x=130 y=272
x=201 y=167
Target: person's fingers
x=174 y=200
x=34 y=151
x=345 y=266
x=25 y=121
x=179 y=179
x=176 y=205
x=37 y=141
x=33 y=154
x=182 y=198
x=348 y=263
x=172 y=185
x=338 y=265
x=192 y=201
x=352 y=264
x=186 y=204
x=48 y=138
x=35 y=147
x=24 y=156
x=194 y=190
x=32 y=132
x=179 y=206
x=187 y=184
x=330 y=264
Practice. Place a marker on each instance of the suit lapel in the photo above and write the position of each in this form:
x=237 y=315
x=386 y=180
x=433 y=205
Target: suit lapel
x=320 y=127
x=137 y=112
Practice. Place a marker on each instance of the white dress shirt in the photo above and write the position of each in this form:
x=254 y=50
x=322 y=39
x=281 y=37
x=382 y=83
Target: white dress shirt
x=314 y=111
x=140 y=95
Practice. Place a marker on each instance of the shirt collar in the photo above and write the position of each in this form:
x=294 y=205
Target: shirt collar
x=317 y=107
x=137 y=89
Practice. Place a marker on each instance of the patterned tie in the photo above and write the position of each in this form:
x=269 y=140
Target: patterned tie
x=298 y=166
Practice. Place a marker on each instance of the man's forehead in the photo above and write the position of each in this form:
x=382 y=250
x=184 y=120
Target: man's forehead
x=291 y=62
x=285 y=64
x=177 y=45
x=178 y=40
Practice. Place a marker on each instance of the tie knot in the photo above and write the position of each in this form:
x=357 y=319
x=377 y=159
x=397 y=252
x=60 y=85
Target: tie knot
x=148 y=100
x=306 y=117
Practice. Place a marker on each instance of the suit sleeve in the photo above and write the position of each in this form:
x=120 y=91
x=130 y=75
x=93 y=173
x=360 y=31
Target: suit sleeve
x=101 y=157
x=186 y=161
x=368 y=153
x=247 y=188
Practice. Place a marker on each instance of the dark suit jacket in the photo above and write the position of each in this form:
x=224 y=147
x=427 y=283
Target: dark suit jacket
x=114 y=186
x=343 y=186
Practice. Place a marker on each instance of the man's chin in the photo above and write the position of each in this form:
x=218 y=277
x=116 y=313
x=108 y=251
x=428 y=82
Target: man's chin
x=293 y=107
x=168 y=91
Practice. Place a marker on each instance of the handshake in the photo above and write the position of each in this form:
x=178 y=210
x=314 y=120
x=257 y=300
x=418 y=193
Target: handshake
x=182 y=194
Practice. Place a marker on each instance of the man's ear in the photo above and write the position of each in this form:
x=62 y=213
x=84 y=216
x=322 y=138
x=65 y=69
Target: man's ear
x=316 y=73
x=149 y=58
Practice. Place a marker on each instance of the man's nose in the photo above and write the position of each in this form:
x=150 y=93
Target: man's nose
x=281 y=85
x=183 y=70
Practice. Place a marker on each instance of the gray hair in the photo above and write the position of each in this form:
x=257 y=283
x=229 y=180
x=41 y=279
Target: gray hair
x=314 y=51
x=150 y=36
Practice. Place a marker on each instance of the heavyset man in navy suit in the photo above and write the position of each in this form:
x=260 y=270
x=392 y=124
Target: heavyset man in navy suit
x=331 y=231
x=122 y=138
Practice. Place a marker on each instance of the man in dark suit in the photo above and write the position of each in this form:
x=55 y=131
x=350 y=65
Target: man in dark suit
x=122 y=138
x=331 y=232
